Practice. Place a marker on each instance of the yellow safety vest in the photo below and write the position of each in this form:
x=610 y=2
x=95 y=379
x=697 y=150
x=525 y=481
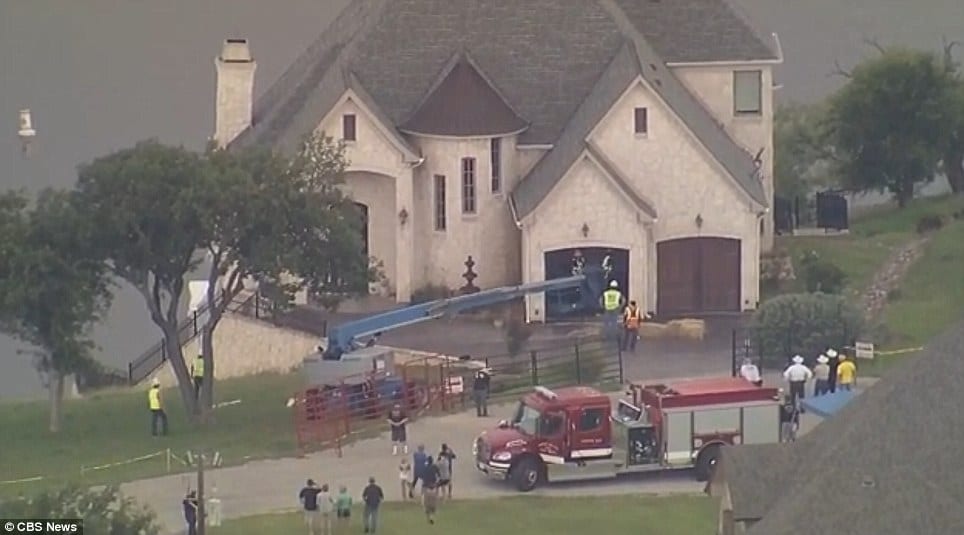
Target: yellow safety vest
x=199 y=367
x=611 y=300
x=154 y=398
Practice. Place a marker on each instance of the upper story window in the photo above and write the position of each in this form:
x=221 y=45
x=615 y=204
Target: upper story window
x=496 y=155
x=468 y=186
x=440 y=220
x=641 y=121
x=348 y=130
x=747 y=92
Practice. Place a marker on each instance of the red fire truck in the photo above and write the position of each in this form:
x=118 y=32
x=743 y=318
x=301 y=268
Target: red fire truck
x=575 y=433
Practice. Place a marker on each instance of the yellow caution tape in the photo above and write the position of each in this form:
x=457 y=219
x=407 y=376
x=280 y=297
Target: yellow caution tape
x=24 y=480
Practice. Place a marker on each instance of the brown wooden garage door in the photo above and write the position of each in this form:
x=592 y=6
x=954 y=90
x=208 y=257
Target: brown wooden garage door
x=697 y=275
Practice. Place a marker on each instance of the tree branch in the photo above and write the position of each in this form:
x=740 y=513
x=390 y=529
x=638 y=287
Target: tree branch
x=153 y=306
x=870 y=41
x=839 y=71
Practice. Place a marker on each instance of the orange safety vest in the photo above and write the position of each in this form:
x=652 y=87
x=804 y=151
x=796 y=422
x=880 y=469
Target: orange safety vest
x=631 y=317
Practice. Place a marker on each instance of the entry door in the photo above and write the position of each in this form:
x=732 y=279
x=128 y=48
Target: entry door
x=590 y=433
x=698 y=275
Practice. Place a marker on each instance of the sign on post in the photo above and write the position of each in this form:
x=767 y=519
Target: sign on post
x=864 y=350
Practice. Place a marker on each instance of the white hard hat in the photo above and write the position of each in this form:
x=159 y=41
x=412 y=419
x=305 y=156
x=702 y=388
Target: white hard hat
x=156 y=382
x=614 y=284
x=798 y=359
x=832 y=353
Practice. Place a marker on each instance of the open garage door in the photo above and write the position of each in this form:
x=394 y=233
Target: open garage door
x=698 y=275
x=563 y=304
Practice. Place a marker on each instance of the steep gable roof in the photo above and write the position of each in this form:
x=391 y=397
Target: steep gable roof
x=886 y=463
x=544 y=55
x=464 y=103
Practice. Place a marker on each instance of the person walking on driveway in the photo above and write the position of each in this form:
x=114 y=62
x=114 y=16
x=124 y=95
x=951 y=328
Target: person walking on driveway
x=632 y=317
x=372 y=496
x=420 y=461
x=821 y=376
x=789 y=421
x=309 y=502
x=797 y=375
x=846 y=374
x=398 y=421
x=480 y=392
x=405 y=476
x=156 y=404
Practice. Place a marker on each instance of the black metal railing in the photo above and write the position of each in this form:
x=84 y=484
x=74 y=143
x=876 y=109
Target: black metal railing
x=254 y=305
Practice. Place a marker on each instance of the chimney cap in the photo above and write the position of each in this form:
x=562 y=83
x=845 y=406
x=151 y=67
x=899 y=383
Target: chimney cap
x=236 y=51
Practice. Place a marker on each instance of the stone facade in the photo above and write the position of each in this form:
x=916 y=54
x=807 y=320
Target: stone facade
x=668 y=168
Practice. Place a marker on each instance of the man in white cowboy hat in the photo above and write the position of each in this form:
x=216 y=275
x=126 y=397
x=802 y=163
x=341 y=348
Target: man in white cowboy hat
x=833 y=361
x=797 y=375
x=821 y=376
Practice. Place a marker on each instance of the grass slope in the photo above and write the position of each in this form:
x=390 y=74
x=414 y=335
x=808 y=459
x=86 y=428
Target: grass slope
x=609 y=515
x=114 y=426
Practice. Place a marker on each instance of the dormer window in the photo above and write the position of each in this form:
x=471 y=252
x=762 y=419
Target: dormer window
x=747 y=92
x=348 y=131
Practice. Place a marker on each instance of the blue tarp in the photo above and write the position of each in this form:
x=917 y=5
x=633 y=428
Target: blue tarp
x=828 y=404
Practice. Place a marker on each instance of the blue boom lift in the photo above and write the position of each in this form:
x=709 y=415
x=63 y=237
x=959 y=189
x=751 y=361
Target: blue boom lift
x=344 y=337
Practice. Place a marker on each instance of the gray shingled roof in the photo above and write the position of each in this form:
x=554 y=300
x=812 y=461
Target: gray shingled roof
x=464 y=104
x=544 y=55
x=889 y=462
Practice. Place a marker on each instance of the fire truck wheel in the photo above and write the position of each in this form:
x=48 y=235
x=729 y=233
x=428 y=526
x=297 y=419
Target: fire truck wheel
x=706 y=462
x=526 y=474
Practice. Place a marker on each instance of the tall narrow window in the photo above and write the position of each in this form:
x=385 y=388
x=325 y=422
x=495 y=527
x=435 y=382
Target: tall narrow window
x=468 y=185
x=640 y=121
x=348 y=132
x=440 y=222
x=496 y=153
x=747 y=92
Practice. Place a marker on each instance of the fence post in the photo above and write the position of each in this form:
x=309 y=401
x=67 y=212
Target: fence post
x=257 y=305
x=443 y=381
x=194 y=321
x=534 y=366
x=733 y=353
x=130 y=373
x=578 y=366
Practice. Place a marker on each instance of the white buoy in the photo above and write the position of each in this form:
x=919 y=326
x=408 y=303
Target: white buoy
x=26 y=131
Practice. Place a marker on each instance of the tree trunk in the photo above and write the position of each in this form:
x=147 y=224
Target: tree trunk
x=207 y=352
x=175 y=354
x=954 y=168
x=56 y=391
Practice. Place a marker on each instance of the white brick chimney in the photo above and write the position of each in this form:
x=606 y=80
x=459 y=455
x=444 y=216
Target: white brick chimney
x=235 y=90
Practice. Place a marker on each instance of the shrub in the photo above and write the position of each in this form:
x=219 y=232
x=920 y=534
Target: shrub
x=804 y=324
x=929 y=223
x=821 y=275
x=894 y=295
x=430 y=292
x=776 y=268
x=104 y=510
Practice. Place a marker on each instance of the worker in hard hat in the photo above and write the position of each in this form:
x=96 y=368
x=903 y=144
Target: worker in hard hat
x=612 y=303
x=156 y=404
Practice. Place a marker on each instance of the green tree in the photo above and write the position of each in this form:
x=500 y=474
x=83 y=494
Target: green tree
x=163 y=212
x=952 y=155
x=53 y=287
x=886 y=122
x=104 y=511
x=800 y=146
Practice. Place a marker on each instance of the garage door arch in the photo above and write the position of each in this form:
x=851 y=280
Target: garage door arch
x=698 y=276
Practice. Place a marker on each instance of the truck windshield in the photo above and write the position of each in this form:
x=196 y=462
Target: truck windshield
x=526 y=419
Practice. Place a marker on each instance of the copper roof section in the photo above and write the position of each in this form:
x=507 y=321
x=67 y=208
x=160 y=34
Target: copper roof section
x=464 y=104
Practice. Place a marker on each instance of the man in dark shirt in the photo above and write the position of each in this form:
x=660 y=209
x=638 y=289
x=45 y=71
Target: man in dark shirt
x=420 y=460
x=372 y=496
x=789 y=421
x=480 y=393
x=309 y=500
x=190 y=512
x=397 y=421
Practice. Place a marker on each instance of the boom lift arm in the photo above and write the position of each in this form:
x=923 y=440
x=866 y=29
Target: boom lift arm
x=342 y=338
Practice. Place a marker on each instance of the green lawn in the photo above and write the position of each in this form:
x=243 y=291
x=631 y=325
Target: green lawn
x=609 y=515
x=114 y=426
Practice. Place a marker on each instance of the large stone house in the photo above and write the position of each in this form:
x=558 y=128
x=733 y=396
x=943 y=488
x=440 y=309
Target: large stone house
x=518 y=132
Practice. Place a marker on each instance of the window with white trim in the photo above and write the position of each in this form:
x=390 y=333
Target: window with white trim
x=747 y=92
x=440 y=217
x=348 y=127
x=468 y=186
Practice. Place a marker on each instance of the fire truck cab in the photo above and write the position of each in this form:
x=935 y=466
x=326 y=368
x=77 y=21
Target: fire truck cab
x=576 y=433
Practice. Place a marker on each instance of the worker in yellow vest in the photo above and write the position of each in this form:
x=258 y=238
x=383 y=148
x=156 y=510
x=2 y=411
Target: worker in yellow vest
x=197 y=372
x=632 y=317
x=612 y=302
x=156 y=404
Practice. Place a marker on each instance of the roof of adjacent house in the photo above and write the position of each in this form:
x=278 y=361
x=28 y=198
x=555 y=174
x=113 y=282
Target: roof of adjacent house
x=886 y=463
x=465 y=104
x=543 y=56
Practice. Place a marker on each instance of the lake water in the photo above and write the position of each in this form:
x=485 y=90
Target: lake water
x=100 y=75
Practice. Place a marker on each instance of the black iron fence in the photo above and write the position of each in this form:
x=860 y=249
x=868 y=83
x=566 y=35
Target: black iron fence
x=594 y=360
x=824 y=210
x=254 y=305
x=772 y=348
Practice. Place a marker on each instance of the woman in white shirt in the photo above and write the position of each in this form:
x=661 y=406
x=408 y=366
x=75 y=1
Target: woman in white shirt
x=750 y=372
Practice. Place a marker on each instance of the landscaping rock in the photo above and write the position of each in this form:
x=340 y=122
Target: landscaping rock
x=888 y=277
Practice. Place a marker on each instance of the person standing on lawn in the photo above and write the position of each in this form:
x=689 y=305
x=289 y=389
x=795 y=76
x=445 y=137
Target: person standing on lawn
x=190 y=512
x=326 y=506
x=447 y=457
x=343 y=503
x=846 y=374
x=821 y=376
x=398 y=420
x=420 y=461
x=309 y=502
x=156 y=404
x=405 y=476
x=372 y=496
x=430 y=490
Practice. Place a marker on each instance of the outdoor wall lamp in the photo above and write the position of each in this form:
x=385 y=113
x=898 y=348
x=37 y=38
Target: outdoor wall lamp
x=699 y=220
x=403 y=216
x=585 y=230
